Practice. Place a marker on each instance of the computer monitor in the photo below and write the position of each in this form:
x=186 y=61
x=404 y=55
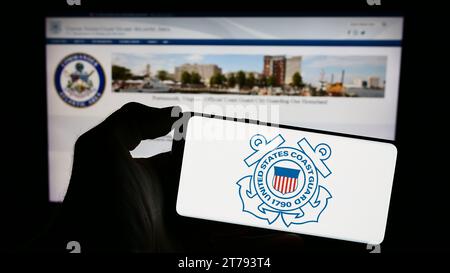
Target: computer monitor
x=337 y=74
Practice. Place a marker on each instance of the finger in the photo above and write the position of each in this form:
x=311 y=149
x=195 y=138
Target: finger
x=135 y=122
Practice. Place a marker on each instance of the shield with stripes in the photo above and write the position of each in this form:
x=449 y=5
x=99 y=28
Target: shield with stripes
x=285 y=180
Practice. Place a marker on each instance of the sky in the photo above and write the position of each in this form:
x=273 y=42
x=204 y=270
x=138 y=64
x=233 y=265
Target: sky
x=228 y=63
x=356 y=67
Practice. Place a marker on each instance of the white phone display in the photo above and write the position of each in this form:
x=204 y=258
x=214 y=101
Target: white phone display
x=286 y=179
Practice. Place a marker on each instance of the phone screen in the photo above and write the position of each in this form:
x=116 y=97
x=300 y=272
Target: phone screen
x=285 y=178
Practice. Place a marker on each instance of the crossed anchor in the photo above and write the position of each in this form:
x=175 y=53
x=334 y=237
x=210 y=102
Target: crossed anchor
x=307 y=213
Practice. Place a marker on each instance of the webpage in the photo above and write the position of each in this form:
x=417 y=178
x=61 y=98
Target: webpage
x=337 y=74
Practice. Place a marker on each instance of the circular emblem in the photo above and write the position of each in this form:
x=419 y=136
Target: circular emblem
x=285 y=179
x=80 y=80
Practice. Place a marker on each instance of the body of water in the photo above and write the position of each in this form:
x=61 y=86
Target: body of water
x=366 y=92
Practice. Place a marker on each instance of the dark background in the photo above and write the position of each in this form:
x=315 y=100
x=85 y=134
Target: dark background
x=418 y=205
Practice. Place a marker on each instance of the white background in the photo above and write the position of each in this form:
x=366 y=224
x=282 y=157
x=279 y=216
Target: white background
x=360 y=183
x=361 y=116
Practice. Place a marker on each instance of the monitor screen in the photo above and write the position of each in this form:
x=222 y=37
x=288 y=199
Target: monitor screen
x=337 y=74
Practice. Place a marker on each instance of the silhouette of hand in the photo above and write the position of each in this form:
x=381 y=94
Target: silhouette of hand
x=117 y=203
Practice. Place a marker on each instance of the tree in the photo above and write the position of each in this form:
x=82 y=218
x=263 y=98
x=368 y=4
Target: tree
x=297 y=80
x=186 y=78
x=364 y=84
x=223 y=79
x=231 y=80
x=270 y=81
x=263 y=81
x=121 y=73
x=195 y=78
x=250 y=82
x=162 y=75
x=217 y=79
x=212 y=80
x=240 y=78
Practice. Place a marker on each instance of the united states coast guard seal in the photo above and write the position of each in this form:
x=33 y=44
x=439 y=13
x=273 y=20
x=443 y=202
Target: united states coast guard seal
x=285 y=181
x=80 y=80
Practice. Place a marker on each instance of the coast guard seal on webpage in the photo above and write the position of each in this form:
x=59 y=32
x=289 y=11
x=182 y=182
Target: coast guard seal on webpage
x=285 y=184
x=79 y=80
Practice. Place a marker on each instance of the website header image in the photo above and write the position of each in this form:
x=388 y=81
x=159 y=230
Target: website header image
x=240 y=74
x=226 y=28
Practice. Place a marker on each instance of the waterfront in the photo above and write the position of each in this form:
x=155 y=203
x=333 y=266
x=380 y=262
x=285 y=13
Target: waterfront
x=350 y=92
x=366 y=92
x=262 y=75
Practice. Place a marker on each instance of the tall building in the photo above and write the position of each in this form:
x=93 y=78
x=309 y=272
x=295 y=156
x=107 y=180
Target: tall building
x=206 y=71
x=275 y=66
x=374 y=82
x=282 y=68
x=293 y=65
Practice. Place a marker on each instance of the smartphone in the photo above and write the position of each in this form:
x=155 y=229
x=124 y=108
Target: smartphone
x=285 y=178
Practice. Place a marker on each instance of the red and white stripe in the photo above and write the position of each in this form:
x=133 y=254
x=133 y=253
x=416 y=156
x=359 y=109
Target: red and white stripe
x=284 y=184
